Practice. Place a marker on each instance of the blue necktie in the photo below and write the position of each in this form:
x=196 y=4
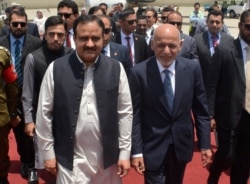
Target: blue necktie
x=168 y=90
x=18 y=65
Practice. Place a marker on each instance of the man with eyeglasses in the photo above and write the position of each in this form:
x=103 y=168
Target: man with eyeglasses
x=136 y=43
x=188 y=49
x=68 y=10
x=20 y=44
x=228 y=97
x=31 y=27
x=207 y=42
x=35 y=66
x=165 y=12
x=117 y=51
x=152 y=18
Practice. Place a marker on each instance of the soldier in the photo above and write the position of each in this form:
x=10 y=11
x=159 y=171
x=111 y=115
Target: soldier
x=8 y=106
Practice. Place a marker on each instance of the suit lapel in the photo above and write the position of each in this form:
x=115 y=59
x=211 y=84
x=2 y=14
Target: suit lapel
x=113 y=51
x=136 y=48
x=155 y=82
x=239 y=59
x=206 y=44
x=180 y=75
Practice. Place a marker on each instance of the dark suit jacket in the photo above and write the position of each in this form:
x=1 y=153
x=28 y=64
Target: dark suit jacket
x=153 y=126
x=226 y=85
x=31 y=29
x=121 y=53
x=30 y=44
x=202 y=44
x=140 y=46
x=188 y=49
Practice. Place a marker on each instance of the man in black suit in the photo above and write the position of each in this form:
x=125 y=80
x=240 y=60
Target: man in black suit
x=31 y=27
x=188 y=49
x=207 y=42
x=227 y=98
x=20 y=45
x=164 y=90
x=114 y=50
x=137 y=43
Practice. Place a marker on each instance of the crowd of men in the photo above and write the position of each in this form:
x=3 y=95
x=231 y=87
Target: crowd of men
x=104 y=91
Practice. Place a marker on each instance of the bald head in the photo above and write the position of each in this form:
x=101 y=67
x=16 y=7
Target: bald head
x=166 y=43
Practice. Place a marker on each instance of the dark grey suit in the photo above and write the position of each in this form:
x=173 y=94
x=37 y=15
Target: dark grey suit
x=140 y=46
x=121 y=53
x=155 y=129
x=188 y=49
x=226 y=87
x=203 y=49
x=25 y=145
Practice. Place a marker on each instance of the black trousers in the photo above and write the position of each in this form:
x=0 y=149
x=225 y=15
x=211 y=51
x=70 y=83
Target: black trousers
x=233 y=150
x=241 y=164
x=171 y=172
x=224 y=155
x=25 y=145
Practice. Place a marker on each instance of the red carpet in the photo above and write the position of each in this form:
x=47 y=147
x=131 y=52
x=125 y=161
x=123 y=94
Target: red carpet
x=195 y=174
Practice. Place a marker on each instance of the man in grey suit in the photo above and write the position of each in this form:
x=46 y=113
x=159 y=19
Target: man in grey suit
x=208 y=41
x=20 y=45
x=188 y=49
x=114 y=50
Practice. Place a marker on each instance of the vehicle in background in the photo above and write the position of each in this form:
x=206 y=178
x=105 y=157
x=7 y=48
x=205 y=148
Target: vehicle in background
x=235 y=10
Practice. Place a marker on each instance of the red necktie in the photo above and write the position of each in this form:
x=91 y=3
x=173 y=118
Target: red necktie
x=68 y=44
x=128 y=44
x=215 y=39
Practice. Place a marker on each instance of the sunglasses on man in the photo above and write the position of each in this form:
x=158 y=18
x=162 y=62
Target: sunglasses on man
x=131 y=22
x=15 y=24
x=65 y=15
x=247 y=26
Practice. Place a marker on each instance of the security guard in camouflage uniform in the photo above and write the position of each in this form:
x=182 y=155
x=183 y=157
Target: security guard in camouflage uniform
x=9 y=96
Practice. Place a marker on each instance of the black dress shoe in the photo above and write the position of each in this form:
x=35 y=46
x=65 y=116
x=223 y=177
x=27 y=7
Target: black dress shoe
x=4 y=180
x=24 y=170
x=32 y=176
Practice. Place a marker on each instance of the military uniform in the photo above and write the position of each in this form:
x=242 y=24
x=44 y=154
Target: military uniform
x=9 y=96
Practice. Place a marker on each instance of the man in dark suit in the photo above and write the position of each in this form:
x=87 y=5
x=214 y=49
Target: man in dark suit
x=163 y=135
x=20 y=45
x=207 y=42
x=127 y=37
x=188 y=49
x=31 y=27
x=114 y=50
x=227 y=88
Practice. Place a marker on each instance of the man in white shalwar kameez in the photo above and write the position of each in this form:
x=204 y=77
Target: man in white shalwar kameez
x=91 y=160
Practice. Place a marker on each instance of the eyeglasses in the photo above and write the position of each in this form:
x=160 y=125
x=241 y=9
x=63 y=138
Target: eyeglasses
x=131 y=22
x=176 y=23
x=107 y=30
x=164 y=17
x=247 y=27
x=15 y=24
x=65 y=15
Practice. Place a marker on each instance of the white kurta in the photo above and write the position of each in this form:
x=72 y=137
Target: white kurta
x=88 y=160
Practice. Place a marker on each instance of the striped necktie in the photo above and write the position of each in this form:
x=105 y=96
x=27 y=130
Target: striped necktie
x=168 y=90
x=18 y=65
